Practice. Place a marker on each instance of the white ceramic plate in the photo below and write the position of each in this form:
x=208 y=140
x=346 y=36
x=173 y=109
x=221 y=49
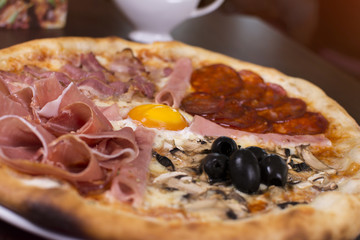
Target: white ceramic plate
x=20 y=222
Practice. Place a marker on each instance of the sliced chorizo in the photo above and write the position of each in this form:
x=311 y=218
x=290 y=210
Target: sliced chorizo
x=250 y=77
x=232 y=109
x=291 y=108
x=217 y=79
x=202 y=103
x=274 y=95
x=308 y=124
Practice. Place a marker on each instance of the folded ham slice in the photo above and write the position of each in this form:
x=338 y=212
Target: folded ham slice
x=11 y=107
x=70 y=110
x=179 y=81
x=130 y=183
x=22 y=140
x=206 y=127
x=32 y=149
x=113 y=148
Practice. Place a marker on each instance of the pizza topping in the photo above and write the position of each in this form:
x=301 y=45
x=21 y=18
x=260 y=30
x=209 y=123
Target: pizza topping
x=258 y=152
x=210 y=78
x=158 y=116
x=287 y=204
x=70 y=111
x=164 y=161
x=202 y=103
x=215 y=166
x=276 y=181
x=9 y=106
x=125 y=72
x=30 y=148
x=244 y=171
x=130 y=183
x=245 y=102
x=310 y=159
x=206 y=127
x=128 y=68
x=274 y=170
x=180 y=181
x=224 y=145
x=179 y=81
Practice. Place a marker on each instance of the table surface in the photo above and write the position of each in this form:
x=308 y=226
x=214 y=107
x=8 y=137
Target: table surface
x=241 y=37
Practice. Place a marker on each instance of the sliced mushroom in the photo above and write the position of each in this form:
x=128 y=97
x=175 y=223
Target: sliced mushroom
x=310 y=159
x=321 y=182
x=327 y=187
x=181 y=181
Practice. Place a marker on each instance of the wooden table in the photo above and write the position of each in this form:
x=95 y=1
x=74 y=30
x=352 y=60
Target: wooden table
x=238 y=36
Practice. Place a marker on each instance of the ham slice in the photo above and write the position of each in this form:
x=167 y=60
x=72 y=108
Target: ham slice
x=174 y=90
x=77 y=117
x=205 y=127
x=130 y=183
x=21 y=139
x=114 y=113
x=11 y=107
x=72 y=160
x=31 y=149
x=39 y=73
x=113 y=148
x=69 y=110
x=128 y=68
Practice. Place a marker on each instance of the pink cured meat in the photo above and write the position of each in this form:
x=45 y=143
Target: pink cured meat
x=113 y=148
x=130 y=183
x=11 y=107
x=205 y=127
x=174 y=90
x=30 y=148
x=70 y=103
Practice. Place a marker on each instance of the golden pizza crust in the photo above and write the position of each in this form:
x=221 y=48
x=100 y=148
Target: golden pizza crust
x=333 y=215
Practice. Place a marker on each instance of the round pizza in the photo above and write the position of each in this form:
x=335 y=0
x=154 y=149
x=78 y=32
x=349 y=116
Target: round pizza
x=111 y=139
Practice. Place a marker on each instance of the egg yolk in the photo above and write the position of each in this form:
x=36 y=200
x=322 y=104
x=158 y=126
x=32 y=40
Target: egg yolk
x=158 y=116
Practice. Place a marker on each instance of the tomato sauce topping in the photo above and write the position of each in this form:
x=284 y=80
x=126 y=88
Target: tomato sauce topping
x=243 y=101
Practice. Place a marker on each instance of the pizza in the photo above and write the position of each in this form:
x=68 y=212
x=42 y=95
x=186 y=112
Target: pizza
x=111 y=139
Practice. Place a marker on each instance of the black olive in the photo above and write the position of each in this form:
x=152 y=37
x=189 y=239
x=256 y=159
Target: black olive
x=274 y=170
x=224 y=145
x=244 y=171
x=259 y=153
x=287 y=204
x=166 y=162
x=216 y=167
x=299 y=167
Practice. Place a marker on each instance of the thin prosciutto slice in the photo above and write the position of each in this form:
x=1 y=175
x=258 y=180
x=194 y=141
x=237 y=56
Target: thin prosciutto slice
x=69 y=110
x=205 y=127
x=113 y=148
x=130 y=183
x=11 y=107
x=174 y=90
x=32 y=149
x=20 y=139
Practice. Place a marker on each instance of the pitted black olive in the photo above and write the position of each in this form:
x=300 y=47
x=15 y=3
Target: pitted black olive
x=224 y=145
x=166 y=162
x=244 y=171
x=215 y=166
x=274 y=170
x=259 y=153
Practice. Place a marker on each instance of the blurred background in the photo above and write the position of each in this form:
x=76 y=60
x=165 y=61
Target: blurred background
x=330 y=28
